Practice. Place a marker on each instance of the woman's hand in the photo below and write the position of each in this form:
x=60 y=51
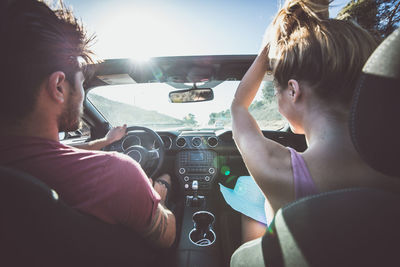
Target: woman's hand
x=251 y=81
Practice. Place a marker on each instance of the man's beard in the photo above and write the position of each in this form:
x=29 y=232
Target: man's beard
x=71 y=118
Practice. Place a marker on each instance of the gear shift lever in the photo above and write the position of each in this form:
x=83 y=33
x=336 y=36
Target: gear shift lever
x=195 y=185
x=195 y=200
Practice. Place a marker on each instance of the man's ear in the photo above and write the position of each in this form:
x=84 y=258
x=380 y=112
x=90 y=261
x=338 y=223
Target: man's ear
x=56 y=86
x=294 y=90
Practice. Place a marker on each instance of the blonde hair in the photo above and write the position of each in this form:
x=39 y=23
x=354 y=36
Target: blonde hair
x=326 y=54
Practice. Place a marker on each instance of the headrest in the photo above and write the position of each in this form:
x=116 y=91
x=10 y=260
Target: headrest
x=375 y=112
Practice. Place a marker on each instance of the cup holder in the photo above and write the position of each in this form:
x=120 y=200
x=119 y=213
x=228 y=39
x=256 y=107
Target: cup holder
x=202 y=234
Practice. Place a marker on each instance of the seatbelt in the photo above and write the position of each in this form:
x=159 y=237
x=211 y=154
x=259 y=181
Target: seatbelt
x=291 y=253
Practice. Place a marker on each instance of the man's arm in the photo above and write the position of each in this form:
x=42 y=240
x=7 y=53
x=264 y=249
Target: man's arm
x=114 y=134
x=93 y=145
x=162 y=229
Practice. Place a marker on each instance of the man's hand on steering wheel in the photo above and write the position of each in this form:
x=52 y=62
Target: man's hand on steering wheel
x=116 y=133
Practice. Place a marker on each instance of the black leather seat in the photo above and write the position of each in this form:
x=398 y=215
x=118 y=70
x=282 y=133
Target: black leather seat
x=38 y=229
x=354 y=227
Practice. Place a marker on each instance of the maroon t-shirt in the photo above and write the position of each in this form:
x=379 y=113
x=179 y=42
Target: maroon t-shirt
x=108 y=185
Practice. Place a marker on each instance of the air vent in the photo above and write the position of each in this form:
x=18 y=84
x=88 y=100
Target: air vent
x=167 y=141
x=180 y=142
x=196 y=141
x=212 y=141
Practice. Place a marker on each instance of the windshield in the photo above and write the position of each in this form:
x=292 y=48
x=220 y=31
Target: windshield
x=147 y=104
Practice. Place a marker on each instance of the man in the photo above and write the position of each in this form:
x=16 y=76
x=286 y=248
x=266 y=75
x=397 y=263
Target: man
x=42 y=94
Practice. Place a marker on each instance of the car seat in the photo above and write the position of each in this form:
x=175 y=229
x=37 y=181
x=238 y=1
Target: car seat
x=38 y=229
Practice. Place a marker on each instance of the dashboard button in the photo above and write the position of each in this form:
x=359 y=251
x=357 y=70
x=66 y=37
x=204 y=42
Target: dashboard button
x=207 y=178
x=182 y=170
x=186 y=178
x=211 y=170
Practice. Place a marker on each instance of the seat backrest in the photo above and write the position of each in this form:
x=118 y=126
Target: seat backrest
x=38 y=229
x=374 y=120
x=354 y=227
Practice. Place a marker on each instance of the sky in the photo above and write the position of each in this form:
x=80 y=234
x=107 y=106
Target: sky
x=142 y=29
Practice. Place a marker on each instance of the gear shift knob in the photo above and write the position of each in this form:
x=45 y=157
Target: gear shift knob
x=195 y=185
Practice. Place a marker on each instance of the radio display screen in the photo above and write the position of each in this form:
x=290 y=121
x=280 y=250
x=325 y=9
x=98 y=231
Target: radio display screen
x=198 y=156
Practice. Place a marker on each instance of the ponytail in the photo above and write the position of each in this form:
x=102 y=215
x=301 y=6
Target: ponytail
x=327 y=54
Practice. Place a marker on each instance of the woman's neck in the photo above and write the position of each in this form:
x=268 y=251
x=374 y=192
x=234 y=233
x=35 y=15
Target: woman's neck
x=325 y=129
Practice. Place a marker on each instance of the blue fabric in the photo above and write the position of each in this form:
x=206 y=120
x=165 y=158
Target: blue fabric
x=246 y=198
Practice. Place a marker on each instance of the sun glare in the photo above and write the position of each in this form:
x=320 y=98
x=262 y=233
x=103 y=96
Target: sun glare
x=140 y=58
x=138 y=34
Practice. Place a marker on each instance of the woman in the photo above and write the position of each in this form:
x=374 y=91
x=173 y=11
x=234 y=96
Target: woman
x=315 y=62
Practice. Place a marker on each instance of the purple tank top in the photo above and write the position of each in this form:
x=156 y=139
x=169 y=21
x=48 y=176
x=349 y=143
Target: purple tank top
x=303 y=183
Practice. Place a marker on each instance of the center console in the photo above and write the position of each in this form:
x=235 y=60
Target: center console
x=199 y=244
x=196 y=170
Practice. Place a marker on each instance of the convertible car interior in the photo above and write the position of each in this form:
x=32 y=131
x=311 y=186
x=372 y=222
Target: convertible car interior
x=354 y=227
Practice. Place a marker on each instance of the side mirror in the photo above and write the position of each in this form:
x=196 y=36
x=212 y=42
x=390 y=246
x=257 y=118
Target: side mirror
x=191 y=95
x=61 y=136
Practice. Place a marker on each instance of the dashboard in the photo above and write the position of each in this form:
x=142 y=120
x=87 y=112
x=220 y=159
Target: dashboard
x=173 y=141
x=193 y=152
x=199 y=158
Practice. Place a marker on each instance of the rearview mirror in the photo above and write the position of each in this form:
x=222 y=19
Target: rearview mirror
x=191 y=95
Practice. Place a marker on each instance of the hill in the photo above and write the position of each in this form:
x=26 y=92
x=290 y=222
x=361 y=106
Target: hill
x=118 y=113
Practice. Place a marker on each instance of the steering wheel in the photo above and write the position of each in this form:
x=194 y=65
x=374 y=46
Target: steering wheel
x=145 y=157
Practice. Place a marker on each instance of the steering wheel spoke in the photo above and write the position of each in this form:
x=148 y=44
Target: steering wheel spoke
x=148 y=158
x=154 y=154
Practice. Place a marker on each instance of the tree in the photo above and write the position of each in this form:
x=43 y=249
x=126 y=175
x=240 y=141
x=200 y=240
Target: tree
x=389 y=12
x=224 y=116
x=189 y=120
x=257 y=105
x=268 y=91
x=213 y=117
x=379 y=17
